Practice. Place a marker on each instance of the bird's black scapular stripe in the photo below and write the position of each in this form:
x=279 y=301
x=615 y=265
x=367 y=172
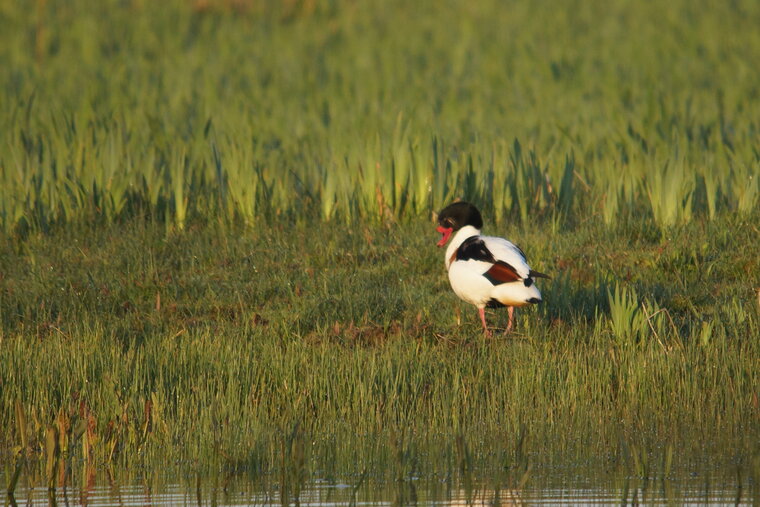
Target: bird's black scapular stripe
x=474 y=248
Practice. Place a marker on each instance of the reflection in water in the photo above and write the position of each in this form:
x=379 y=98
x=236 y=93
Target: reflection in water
x=318 y=492
x=504 y=498
x=397 y=471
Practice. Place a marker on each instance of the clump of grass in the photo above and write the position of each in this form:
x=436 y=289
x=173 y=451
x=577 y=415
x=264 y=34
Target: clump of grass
x=670 y=190
x=627 y=319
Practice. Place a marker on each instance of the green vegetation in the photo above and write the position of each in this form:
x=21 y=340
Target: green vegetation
x=216 y=240
x=180 y=110
x=214 y=341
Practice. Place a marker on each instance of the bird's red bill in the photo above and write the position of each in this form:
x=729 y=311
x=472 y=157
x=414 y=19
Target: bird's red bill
x=445 y=234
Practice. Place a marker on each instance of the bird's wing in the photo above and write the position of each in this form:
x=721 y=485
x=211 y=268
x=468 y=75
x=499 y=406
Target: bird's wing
x=498 y=260
x=474 y=248
x=508 y=253
x=501 y=272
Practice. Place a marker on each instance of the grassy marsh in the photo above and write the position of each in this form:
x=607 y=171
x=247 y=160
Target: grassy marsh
x=234 y=336
x=215 y=237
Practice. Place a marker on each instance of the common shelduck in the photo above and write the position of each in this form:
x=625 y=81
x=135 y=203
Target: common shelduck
x=483 y=270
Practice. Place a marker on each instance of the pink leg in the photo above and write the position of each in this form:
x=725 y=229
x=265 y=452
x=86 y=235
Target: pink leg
x=511 y=310
x=482 y=312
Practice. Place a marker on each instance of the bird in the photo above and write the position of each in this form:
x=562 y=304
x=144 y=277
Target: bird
x=485 y=271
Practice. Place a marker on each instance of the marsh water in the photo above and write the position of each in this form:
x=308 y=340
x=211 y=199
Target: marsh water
x=463 y=477
x=548 y=487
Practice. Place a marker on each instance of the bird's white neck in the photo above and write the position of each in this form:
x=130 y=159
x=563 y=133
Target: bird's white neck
x=462 y=234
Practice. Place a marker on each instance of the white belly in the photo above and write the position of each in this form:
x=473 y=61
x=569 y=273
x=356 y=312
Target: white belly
x=470 y=285
x=468 y=282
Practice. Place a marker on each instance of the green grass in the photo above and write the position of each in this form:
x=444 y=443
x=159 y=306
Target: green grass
x=215 y=230
x=242 y=110
x=211 y=341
